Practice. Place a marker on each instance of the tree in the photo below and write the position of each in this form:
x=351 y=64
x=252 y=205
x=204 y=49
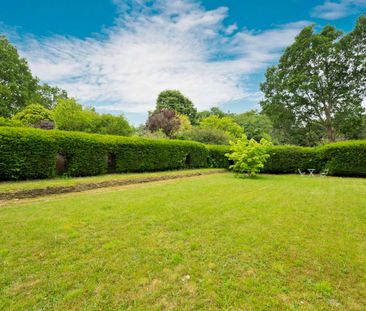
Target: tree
x=226 y=124
x=111 y=125
x=175 y=100
x=69 y=116
x=166 y=120
x=213 y=111
x=319 y=78
x=206 y=136
x=17 y=85
x=50 y=95
x=255 y=125
x=33 y=115
x=248 y=156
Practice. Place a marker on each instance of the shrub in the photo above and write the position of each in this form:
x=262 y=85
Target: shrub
x=249 y=156
x=345 y=158
x=206 y=136
x=26 y=154
x=10 y=122
x=33 y=114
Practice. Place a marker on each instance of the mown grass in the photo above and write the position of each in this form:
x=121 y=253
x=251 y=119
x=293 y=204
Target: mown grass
x=64 y=181
x=210 y=243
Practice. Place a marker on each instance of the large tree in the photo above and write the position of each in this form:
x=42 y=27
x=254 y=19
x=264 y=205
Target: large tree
x=17 y=85
x=166 y=120
x=316 y=90
x=175 y=100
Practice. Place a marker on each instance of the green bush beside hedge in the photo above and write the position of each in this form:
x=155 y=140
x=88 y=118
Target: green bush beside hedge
x=342 y=159
x=31 y=153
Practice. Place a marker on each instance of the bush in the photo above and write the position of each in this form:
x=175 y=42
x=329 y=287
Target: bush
x=206 y=136
x=248 y=156
x=345 y=158
x=33 y=114
x=31 y=153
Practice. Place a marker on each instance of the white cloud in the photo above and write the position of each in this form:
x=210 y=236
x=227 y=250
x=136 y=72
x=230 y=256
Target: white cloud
x=172 y=45
x=332 y=10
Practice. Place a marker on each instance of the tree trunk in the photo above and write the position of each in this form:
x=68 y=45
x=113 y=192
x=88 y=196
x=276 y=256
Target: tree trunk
x=329 y=124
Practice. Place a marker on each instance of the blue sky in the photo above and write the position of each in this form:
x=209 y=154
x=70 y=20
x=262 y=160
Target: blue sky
x=118 y=55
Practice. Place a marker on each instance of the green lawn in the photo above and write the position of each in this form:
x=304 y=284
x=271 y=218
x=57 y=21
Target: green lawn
x=210 y=242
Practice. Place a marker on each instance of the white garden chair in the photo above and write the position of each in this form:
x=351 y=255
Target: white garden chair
x=300 y=172
x=324 y=173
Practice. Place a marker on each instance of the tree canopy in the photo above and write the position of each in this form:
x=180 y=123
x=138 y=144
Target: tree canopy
x=18 y=87
x=316 y=90
x=175 y=100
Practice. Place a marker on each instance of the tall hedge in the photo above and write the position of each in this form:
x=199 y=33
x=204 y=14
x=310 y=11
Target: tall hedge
x=288 y=159
x=345 y=158
x=26 y=154
x=31 y=153
x=341 y=159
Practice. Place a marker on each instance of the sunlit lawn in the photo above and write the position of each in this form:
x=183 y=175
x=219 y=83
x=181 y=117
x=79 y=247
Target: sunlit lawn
x=210 y=242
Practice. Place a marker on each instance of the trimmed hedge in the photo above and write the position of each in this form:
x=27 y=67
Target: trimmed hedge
x=26 y=154
x=342 y=159
x=31 y=153
x=216 y=156
x=288 y=159
x=345 y=158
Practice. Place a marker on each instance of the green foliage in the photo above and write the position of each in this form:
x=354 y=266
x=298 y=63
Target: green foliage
x=217 y=158
x=255 y=125
x=33 y=114
x=175 y=100
x=345 y=158
x=216 y=111
x=165 y=120
x=111 y=125
x=26 y=153
x=31 y=153
x=17 y=85
x=226 y=124
x=50 y=95
x=288 y=159
x=71 y=116
x=248 y=156
x=10 y=122
x=318 y=86
x=206 y=136
x=342 y=159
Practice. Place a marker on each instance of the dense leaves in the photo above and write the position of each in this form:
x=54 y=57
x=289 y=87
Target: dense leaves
x=316 y=90
x=175 y=100
x=71 y=116
x=17 y=85
x=166 y=120
x=31 y=153
x=226 y=124
x=33 y=115
x=248 y=156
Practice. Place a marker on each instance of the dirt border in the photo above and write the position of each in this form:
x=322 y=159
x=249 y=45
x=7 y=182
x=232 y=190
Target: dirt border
x=39 y=192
